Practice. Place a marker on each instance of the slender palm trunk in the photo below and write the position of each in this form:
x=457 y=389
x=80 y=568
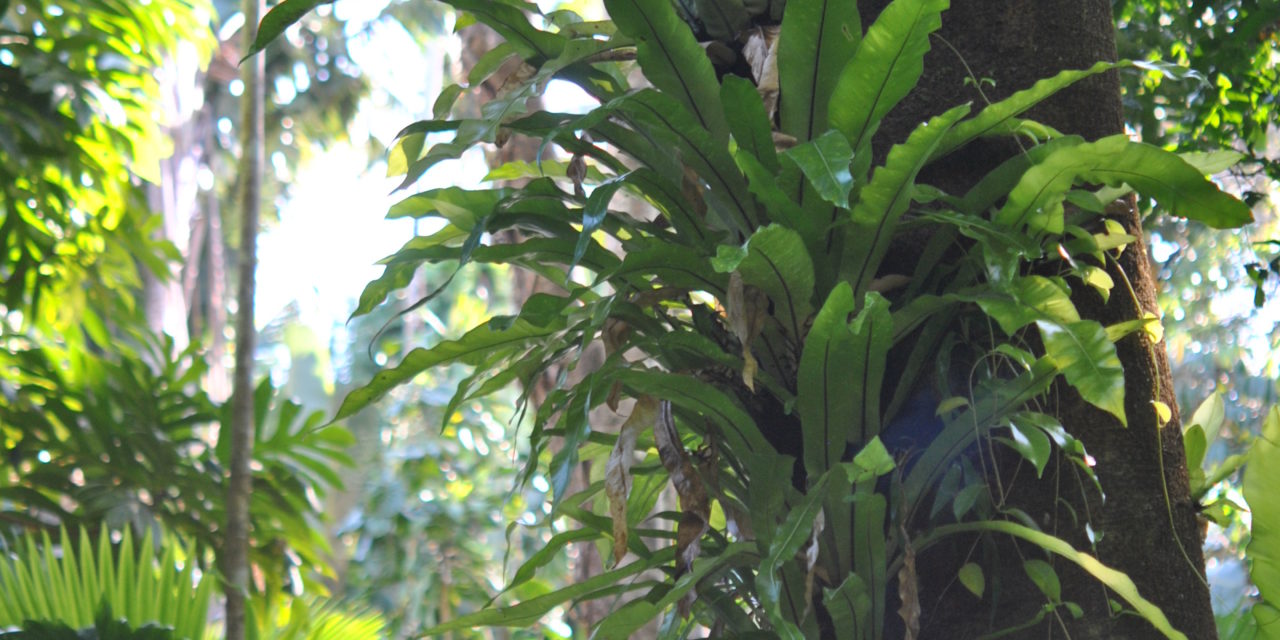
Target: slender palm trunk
x=235 y=556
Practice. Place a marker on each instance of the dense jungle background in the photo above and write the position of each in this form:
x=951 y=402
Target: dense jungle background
x=639 y=318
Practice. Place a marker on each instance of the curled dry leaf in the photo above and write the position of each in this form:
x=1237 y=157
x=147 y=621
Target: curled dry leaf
x=691 y=189
x=577 y=172
x=782 y=141
x=614 y=336
x=617 y=471
x=811 y=560
x=889 y=282
x=746 y=307
x=761 y=52
x=695 y=506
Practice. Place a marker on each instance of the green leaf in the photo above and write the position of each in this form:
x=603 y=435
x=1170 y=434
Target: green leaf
x=593 y=215
x=443 y=105
x=490 y=62
x=481 y=342
x=884 y=69
x=1037 y=199
x=825 y=162
x=675 y=266
x=531 y=611
x=824 y=397
x=1032 y=443
x=739 y=430
x=850 y=608
x=872 y=332
x=549 y=552
x=886 y=197
x=1045 y=578
x=872 y=461
x=1114 y=580
x=279 y=18
x=1212 y=162
x=971 y=577
x=1088 y=361
x=748 y=121
x=532 y=43
x=1194 y=442
x=461 y=207
x=869 y=559
x=766 y=498
x=777 y=262
x=1261 y=477
x=1026 y=300
x=787 y=540
x=988 y=407
x=666 y=197
x=817 y=40
x=629 y=618
x=994 y=116
x=672 y=60
x=662 y=117
x=1210 y=416
x=781 y=208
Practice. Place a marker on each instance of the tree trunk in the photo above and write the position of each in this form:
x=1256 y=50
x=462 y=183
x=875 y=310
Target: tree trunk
x=235 y=556
x=1147 y=524
x=176 y=198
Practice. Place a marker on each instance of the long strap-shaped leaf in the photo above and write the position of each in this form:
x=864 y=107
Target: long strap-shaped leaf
x=995 y=115
x=795 y=530
x=481 y=341
x=850 y=608
x=661 y=116
x=672 y=60
x=818 y=39
x=530 y=611
x=628 y=619
x=885 y=68
x=778 y=263
x=824 y=399
x=839 y=382
x=1261 y=477
x=885 y=199
x=748 y=120
x=514 y=27
x=964 y=428
x=1115 y=581
x=1037 y=199
x=740 y=432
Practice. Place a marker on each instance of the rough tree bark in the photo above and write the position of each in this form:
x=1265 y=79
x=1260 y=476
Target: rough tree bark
x=1154 y=539
x=235 y=551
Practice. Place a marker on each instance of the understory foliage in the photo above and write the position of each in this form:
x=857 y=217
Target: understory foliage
x=157 y=585
x=822 y=416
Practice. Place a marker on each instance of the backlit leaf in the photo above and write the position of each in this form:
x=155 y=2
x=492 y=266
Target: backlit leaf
x=971 y=577
x=1036 y=201
x=884 y=69
x=279 y=18
x=1088 y=361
